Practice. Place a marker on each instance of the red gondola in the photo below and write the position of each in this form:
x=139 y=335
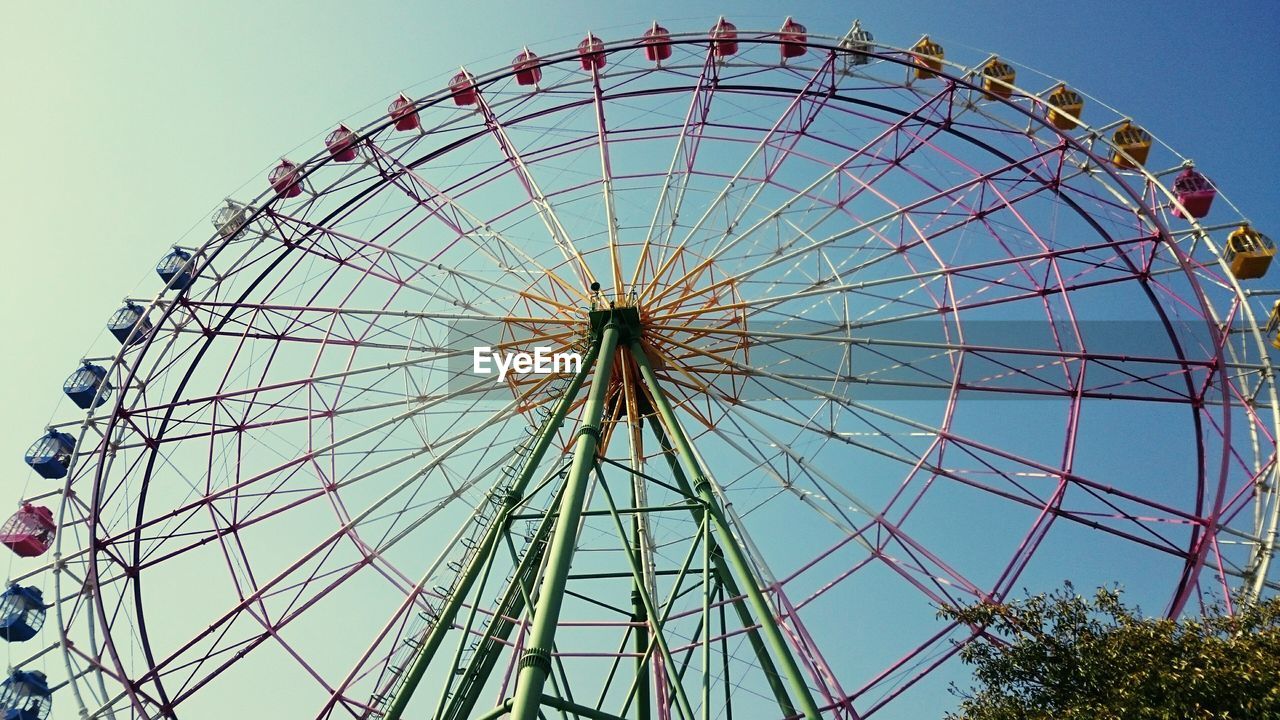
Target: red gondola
x=285 y=180
x=657 y=43
x=341 y=144
x=402 y=111
x=30 y=531
x=794 y=38
x=724 y=38
x=464 y=89
x=591 y=52
x=526 y=66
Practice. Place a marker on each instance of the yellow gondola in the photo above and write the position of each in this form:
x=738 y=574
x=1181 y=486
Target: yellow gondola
x=1248 y=253
x=1065 y=105
x=1133 y=140
x=928 y=58
x=1273 y=326
x=997 y=79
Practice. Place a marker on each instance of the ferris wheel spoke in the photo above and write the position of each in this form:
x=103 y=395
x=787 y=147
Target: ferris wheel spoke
x=972 y=215
x=224 y=623
x=943 y=578
x=836 y=171
x=668 y=206
x=361 y=325
x=263 y=327
x=415 y=267
x=458 y=218
x=281 y=472
x=985 y=450
x=1017 y=491
x=559 y=236
x=804 y=107
x=606 y=184
x=770 y=303
x=294 y=385
x=900 y=212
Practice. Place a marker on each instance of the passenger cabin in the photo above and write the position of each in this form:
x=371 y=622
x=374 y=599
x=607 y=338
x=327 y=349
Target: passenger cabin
x=403 y=113
x=795 y=38
x=927 y=56
x=231 y=218
x=175 y=269
x=1194 y=192
x=83 y=386
x=25 y=695
x=1065 y=105
x=341 y=144
x=1273 y=325
x=29 y=532
x=1248 y=253
x=858 y=44
x=22 y=613
x=997 y=79
x=463 y=87
x=285 y=179
x=526 y=67
x=126 y=320
x=657 y=43
x=724 y=38
x=591 y=53
x=1135 y=144
x=50 y=456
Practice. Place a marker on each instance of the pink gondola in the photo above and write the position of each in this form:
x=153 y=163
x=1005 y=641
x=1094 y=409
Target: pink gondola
x=285 y=179
x=724 y=38
x=1195 y=192
x=526 y=66
x=464 y=89
x=341 y=144
x=657 y=43
x=30 y=531
x=591 y=52
x=794 y=38
x=402 y=111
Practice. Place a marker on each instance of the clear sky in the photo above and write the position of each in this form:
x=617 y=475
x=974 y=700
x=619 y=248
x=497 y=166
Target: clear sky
x=127 y=123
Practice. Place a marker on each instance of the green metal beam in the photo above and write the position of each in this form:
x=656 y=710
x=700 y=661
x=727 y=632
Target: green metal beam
x=464 y=697
x=444 y=619
x=535 y=663
x=576 y=709
x=732 y=552
x=639 y=616
x=727 y=582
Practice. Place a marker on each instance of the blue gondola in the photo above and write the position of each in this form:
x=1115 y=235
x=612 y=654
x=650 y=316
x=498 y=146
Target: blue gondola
x=25 y=696
x=51 y=454
x=123 y=323
x=82 y=386
x=175 y=270
x=22 y=613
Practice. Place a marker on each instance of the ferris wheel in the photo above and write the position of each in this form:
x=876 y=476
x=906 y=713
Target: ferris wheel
x=849 y=332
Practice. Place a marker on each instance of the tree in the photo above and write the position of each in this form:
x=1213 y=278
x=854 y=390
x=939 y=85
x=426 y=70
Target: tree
x=1065 y=656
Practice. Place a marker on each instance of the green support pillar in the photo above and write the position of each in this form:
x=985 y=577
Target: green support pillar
x=535 y=663
x=733 y=553
x=639 y=616
x=727 y=583
x=444 y=620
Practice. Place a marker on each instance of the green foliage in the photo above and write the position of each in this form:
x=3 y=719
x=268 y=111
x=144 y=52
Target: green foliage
x=1067 y=657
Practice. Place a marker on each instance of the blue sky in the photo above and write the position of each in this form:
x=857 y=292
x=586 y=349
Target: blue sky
x=129 y=122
